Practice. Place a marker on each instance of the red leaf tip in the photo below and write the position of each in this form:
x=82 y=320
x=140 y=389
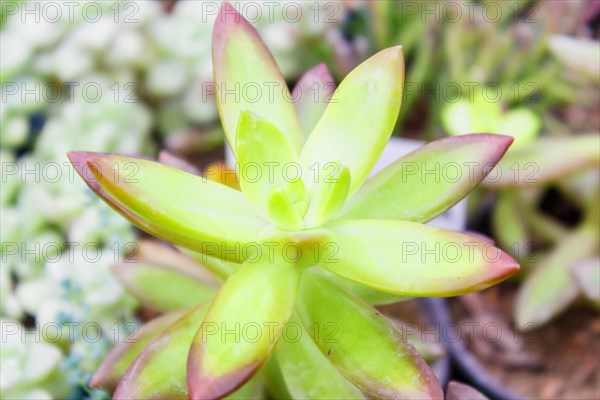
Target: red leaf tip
x=229 y=15
x=206 y=387
x=504 y=267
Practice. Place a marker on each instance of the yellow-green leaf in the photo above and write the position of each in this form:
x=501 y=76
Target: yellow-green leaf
x=264 y=155
x=412 y=259
x=428 y=181
x=248 y=78
x=242 y=326
x=160 y=370
x=366 y=348
x=307 y=372
x=359 y=119
x=173 y=205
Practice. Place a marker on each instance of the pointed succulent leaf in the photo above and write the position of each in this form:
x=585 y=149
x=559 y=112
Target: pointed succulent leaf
x=359 y=119
x=254 y=303
x=328 y=195
x=160 y=370
x=428 y=181
x=173 y=205
x=412 y=259
x=550 y=288
x=311 y=96
x=248 y=78
x=163 y=288
x=282 y=212
x=307 y=372
x=548 y=159
x=366 y=348
x=460 y=391
x=115 y=364
x=263 y=153
x=370 y=295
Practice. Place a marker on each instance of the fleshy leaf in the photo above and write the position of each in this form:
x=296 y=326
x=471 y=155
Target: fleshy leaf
x=275 y=381
x=428 y=350
x=248 y=78
x=254 y=389
x=307 y=372
x=587 y=276
x=550 y=288
x=160 y=370
x=328 y=195
x=311 y=96
x=412 y=259
x=155 y=252
x=359 y=119
x=366 y=348
x=263 y=153
x=254 y=304
x=122 y=356
x=173 y=205
x=282 y=212
x=546 y=160
x=163 y=288
x=183 y=283
x=428 y=181
x=217 y=266
x=370 y=295
x=460 y=391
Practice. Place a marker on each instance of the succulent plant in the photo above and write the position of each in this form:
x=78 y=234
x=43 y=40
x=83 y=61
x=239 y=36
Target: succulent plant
x=278 y=235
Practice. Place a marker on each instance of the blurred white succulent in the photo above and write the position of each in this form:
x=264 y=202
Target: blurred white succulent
x=78 y=287
x=29 y=367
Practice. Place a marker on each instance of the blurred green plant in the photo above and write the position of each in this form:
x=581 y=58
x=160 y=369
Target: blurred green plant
x=321 y=208
x=521 y=179
x=454 y=49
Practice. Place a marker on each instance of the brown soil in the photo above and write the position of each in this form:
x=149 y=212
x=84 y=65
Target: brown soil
x=560 y=360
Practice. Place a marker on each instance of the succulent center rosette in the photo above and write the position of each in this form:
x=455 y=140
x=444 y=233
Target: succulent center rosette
x=305 y=224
